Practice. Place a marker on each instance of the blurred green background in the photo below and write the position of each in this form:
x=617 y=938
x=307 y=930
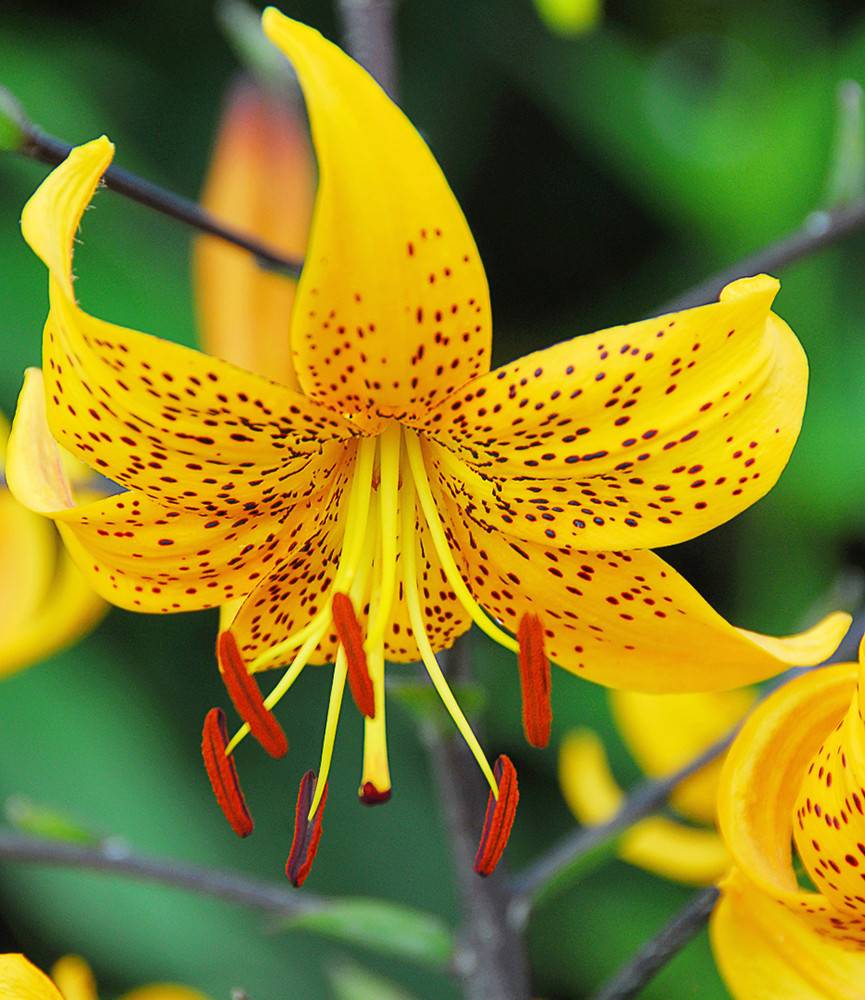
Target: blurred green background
x=602 y=174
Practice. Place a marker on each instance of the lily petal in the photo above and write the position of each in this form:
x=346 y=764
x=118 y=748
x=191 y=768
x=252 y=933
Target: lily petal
x=634 y=437
x=74 y=978
x=658 y=844
x=134 y=551
x=764 y=951
x=164 y=991
x=138 y=395
x=623 y=619
x=761 y=779
x=665 y=731
x=392 y=309
x=22 y=980
x=261 y=180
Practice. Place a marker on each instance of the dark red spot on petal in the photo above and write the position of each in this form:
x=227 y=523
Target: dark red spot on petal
x=499 y=817
x=307 y=833
x=223 y=773
x=246 y=697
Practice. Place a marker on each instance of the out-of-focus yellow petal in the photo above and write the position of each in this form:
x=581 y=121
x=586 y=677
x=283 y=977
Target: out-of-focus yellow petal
x=21 y=980
x=72 y=607
x=760 y=782
x=28 y=557
x=623 y=619
x=634 y=437
x=74 y=978
x=164 y=991
x=176 y=424
x=392 y=308
x=261 y=180
x=135 y=552
x=663 y=732
x=658 y=844
x=570 y=17
x=764 y=952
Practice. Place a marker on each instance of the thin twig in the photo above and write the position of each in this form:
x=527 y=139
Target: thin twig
x=819 y=230
x=633 y=977
x=368 y=28
x=490 y=957
x=48 y=149
x=230 y=886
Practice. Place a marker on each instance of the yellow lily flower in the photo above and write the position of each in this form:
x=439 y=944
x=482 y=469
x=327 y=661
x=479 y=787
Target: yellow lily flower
x=71 y=979
x=45 y=602
x=405 y=490
x=662 y=733
x=796 y=774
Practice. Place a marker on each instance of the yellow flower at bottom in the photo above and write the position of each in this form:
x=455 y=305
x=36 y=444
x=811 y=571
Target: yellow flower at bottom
x=662 y=732
x=796 y=774
x=403 y=490
x=71 y=979
x=45 y=601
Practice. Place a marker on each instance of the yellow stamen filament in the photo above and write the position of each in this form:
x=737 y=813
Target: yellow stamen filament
x=357 y=516
x=430 y=512
x=409 y=560
x=337 y=689
x=375 y=763
x=388 y=503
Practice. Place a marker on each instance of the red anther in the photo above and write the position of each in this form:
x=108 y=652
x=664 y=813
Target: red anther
x=307 y=833
x=499 y=818
x=246 y=698
x=534 y=681
x=350 y=636
x=372 y=796
x=222 y=772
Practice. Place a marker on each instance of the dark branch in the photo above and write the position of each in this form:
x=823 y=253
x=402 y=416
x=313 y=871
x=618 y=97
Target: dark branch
x=632 y=978
x=48 y=149
x=368 y=28
x=106 y=858
x=490 y=958
x=820 y=229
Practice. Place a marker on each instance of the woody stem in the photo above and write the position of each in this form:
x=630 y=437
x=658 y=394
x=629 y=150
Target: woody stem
x=38 y=145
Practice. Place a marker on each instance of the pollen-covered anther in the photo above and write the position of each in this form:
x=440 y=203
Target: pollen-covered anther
x=499 y=817
x=246 y=698
x=307 y=832
x=369 y=795
x=222 y=772
x=534 y=681
x=351 y=638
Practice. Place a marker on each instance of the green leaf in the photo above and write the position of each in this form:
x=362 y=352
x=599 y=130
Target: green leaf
x=12 y=122
x=45 y=821
x=352 y=982
x=847 y=169
x=387 y=928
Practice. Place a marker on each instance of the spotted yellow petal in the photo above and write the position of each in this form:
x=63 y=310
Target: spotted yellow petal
x=392 y=308
x=261 y=180
x=635 y=437
x=623 y=619
x=760 y=782
x=188 y=430
x=665 y=731
x=670 y=849
x=135 y=552
x=764 y=952
x=23 y=981
x=74 y=978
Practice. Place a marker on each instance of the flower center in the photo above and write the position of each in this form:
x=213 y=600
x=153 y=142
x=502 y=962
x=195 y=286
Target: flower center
x=389 y=497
